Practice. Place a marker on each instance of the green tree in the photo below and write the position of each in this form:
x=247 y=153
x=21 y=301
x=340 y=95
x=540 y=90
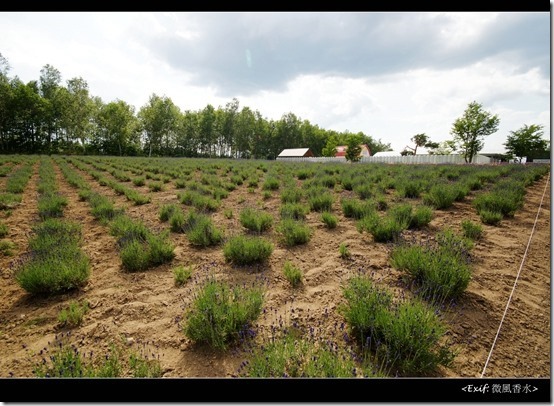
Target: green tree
x=420 y=140
x=442 y=148
x=353 y=148
x=526 y=142
x=77 y=111
x=159 y=120
x=187 y=139
x=27 y=111
x=50 y=84
x=470 y=130
x=118 y=127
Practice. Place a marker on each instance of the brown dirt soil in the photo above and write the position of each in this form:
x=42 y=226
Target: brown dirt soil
x=145 y=309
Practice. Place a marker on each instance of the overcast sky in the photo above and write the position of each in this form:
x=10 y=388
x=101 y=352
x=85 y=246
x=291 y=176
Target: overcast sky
x=390 y=75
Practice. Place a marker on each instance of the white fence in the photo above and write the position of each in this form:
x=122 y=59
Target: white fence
x=408 y=159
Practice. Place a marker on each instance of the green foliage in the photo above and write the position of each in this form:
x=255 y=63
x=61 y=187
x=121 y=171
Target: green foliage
x=156 y=186
x=329 y=219
x=356 y=209
x=472 y=230
x=139 y=181
x=294 y=232
x=7 y=247
x=441 y=271
x=221 y=313
x=441 y=196
x=247 y=250
x=353 y=149
x=57 y=264
x=3 y=229
x=140 y=248
x=344 y=251
x=527 y=142
x=492 y=218
x=201 y=230
x=470 y=130
x=383 y=229
x=167 y=210
x=288 y=355
x=255 y=220
x=198 y=201
x=271 y=184
x=9 y=200
x=292 y=273
x=321 y=201
x=64 y=360
x=181 y=274
x=292 y=195
x=295 y=211
x=51 y=205
x=406 y=336
x=73 y=315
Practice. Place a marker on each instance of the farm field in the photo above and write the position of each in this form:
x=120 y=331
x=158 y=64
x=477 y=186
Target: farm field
x=327 y=224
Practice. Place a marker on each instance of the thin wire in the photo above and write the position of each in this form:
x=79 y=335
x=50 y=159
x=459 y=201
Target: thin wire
x=517 y=277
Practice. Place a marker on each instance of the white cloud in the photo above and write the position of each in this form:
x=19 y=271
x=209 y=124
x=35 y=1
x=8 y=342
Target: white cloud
x=389 y=75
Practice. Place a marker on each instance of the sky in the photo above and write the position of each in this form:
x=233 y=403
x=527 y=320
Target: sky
x=390 y=75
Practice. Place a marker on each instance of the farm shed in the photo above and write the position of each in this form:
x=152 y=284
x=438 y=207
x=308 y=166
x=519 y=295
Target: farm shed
x=295 y=153
x=386 y=153
x=341 y=151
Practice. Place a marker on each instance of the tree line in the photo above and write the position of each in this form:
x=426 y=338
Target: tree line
x=45 y=116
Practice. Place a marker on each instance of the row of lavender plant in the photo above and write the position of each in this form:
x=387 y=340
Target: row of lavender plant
x=56 y=262
x=139 y=247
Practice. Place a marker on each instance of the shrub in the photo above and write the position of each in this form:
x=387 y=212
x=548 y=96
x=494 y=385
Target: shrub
x=271 y=184
x=491 y=217
x=181 y=274
x=441 y=196
x=201 y=231
x=3 y=230
x=405 y=336
x=356 y=209
x=295 y=211
x=321 y=202
x=294 y=232
x=139 y=181
x=292 y=273
x=51 y=205
x=255 y=220
x=421 y=217
x=64 y=360
x=7 y=247
x=57 y=263
x=102 y=208
x=220 y=313
x=329 y=219
x=167 y=210
x=73 y=315
x=344 y=251
x=441 y=272
x=472 y=230
x=247 y=250
x=383 y=229
x=288 y=356
x=291 y=195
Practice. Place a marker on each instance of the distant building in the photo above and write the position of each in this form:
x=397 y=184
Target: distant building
x=341 y=151
x=386 y=153
x=295 y=153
